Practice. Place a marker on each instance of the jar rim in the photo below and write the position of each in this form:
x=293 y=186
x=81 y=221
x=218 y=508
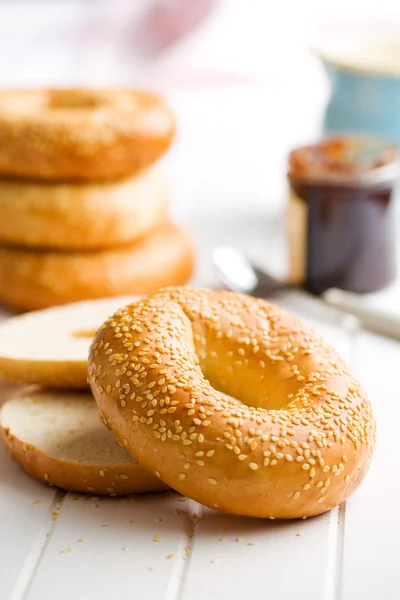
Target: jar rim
x=345 y=159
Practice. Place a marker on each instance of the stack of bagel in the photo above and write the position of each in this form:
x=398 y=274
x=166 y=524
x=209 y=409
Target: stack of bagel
x=83 y=210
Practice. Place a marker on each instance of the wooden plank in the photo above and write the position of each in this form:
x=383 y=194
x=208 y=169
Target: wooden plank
x=26 y=509
x=105 y=547
x=237 y=557
x=372 y=533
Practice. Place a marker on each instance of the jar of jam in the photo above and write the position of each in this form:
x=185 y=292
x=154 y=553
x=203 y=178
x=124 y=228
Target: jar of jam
x=340 y=214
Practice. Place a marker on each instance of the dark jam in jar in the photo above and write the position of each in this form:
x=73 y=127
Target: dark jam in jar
x=340 y=214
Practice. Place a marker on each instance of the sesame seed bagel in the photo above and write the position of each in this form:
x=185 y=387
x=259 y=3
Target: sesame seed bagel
x=293 y=440
x=60 y=439
x=33 y=279
x=81 y=216
x=50 y=347
x=81 y=133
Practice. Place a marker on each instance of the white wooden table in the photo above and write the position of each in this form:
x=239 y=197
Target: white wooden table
x=166 y=547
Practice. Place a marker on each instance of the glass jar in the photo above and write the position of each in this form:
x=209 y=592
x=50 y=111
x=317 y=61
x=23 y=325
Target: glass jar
x=340 y=214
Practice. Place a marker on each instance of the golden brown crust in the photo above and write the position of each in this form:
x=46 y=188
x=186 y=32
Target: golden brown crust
x=81 y=478
x=80 y=134
x=32 y=280
x=155 y=368
x=81 y=216
x=85 y=474
x=51 y=373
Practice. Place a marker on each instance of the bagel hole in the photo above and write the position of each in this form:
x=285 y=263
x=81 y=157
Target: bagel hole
x=84 y=333
x=261 y=399
x=245 y=383
x=67 y=99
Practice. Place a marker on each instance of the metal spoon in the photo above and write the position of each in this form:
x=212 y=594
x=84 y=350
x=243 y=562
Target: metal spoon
x=238 y=274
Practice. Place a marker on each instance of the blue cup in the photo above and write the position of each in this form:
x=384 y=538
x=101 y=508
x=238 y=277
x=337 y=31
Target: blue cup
x=365 y=89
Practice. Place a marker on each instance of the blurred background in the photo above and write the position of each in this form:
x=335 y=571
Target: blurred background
x=241 y=76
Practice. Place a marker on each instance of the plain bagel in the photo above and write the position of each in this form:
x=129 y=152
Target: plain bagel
x=60 y=439
x=81 y=216
x=294 y=440
x=81 y=133
x=50 y=347
x=32 y=279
